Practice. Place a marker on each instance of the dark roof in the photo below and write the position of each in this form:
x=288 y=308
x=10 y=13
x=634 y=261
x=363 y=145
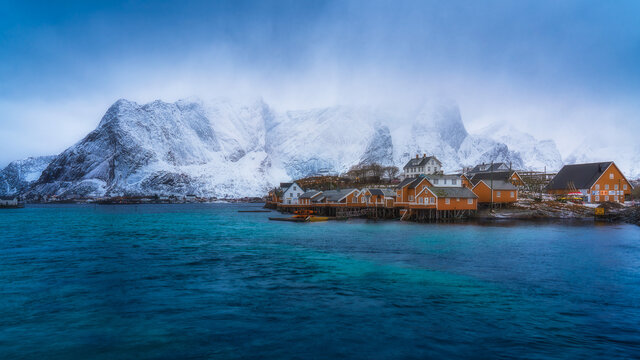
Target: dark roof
x=578 y=176
x=285 y=186
x=489 y=168
x=405 y=182
x=496 y=184
x=421 y=161
x=10 y=198
x=336 y=195
x=310 y=194
x=382 y=192
x=411 y=182
x=453 y=192
x=499 y=175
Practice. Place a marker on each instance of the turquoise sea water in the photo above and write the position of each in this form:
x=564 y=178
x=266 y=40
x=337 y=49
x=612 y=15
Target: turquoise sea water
x=204 y=281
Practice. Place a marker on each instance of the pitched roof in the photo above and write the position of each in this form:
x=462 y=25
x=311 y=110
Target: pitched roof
x=405 y=182
x=489 y=168
x=578 y=176
x=499 y=175
x=310 y=194
x=420 y=161
x=285 y=185
x=495 y=184
x=336 y=195
x=453 y=192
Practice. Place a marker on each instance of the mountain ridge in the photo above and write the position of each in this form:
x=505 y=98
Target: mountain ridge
x=229 y=149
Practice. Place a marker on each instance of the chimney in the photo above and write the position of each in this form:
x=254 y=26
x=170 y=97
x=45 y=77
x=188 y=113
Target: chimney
x=417 y=156
x=424 y=155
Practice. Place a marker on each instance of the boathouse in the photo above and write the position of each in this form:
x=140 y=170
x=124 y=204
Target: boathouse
x=593 y=182
x=495 y=191
x=307 y=197
x=407 y=190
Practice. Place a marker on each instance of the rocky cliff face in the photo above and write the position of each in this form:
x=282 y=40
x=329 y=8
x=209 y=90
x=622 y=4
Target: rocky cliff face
x=226 y=149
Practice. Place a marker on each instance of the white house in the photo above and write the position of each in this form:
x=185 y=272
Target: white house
x=292 y=194
x=8 y=201
x=425 y=165
x=445 y=180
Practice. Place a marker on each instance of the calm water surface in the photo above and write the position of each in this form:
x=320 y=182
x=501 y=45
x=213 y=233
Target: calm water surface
x=204 y=281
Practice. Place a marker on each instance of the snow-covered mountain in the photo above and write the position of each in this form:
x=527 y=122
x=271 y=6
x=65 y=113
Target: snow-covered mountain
x=18 y=175
x=535 y=154
x=227 y=149
x=595 y=151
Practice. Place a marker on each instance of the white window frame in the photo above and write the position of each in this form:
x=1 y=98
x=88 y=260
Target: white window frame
x=624 y=187
x=498 y=193
x=606 y=186
x=447 y=201
x=606 y=198
x=597 y=186
x=513 y=193
x=597 y=197
x=611 y=176
x=470 y=201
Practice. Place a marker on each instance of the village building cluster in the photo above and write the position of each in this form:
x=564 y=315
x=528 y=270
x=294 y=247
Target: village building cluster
x=424 y=186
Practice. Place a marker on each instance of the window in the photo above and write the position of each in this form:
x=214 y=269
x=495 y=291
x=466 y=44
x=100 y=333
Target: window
x=435 y=181
x=453 y=181
x=611 y=176
x=470 y=201
x=444 y=181
x=447 y=201
x=606 y=198
x=497 y=193
x=420 y=200
x=615 y=187
x=294 y=188
x=615 y=198
x=458 y=199
x=411 y=198
x=428 y=168
x=597 y=186
x=597 y=198
x=432 y=200
x=606 y=186
x=298 y=194
x=624 y=187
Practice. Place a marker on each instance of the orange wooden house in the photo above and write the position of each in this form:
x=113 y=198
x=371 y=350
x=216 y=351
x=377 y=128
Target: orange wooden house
x=508 y=176
x=446 y=198
x=308 y=197
x=593 y=182
x=495 y=191
x=407 y=190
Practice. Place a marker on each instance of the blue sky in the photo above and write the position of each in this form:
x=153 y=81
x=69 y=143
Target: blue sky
x=536 y=64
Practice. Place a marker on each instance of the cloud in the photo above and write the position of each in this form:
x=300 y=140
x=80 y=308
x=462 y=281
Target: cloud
x=558 y=70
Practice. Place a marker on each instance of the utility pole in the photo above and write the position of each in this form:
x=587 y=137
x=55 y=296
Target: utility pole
x=491 y=180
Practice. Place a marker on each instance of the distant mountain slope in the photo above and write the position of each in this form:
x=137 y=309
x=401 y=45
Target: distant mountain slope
x=535 y=154
x=16 y=177
x=226 y=149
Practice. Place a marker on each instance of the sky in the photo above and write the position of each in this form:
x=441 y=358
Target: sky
x=565 y=70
